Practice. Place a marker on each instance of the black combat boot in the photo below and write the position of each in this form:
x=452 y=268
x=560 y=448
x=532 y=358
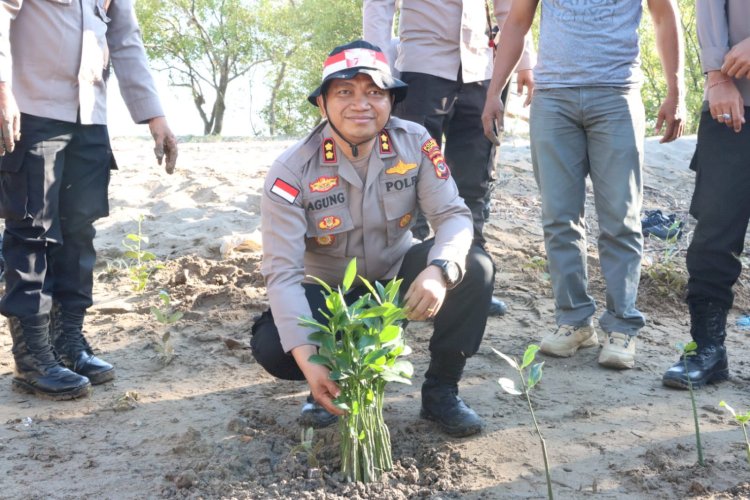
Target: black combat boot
x=72 y=347
x=709 y=363
x=440 y=401
x=314 y=415
x=38 y=371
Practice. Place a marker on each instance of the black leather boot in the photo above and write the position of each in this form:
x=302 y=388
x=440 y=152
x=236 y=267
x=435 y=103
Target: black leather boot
x=440 y=401
x=73 y=349
x=38 y=371
x=709 y=363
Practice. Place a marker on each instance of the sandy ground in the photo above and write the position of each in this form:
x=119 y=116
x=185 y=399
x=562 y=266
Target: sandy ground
x=212 y=424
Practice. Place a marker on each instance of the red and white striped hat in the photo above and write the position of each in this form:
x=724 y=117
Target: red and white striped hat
x=347 y=61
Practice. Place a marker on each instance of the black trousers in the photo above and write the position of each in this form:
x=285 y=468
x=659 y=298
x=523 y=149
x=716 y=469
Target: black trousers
x=721 y=204
x=52 y=188
x=459 y=325
x=453 y=109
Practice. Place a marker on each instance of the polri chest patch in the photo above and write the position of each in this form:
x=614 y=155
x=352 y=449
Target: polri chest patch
x=324 y=184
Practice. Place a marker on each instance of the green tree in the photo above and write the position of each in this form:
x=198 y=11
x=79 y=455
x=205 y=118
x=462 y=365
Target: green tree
x=297 y=35
x=204 y=45
x=654 y=87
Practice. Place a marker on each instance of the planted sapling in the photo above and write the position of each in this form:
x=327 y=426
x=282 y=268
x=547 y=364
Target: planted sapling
x=141 y=262
x=166 y=317
x=687 y=350
x=360 y=344
x=743 y=419
x=530 y=375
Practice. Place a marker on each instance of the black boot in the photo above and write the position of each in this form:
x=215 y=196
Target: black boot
x=314 y=415
x=440 y=401
x=75 y=352
x=38 y=371
x=709 y=363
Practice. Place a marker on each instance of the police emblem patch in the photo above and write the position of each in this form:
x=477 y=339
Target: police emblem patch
x=404 y=221
x=324 y=184
x=329 y=150
x=401 y=168
x=431 y=149
x=329 y=222
x=326 y=240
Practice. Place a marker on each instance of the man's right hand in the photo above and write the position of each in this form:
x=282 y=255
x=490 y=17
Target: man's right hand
x=10 y=119
x=323 y=389
x=493 y=118
x=725 y=100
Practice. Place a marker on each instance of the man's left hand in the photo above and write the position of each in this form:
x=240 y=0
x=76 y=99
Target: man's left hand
x=525 y=78
x=165 y=143
x=425 y=295
x=671 y=113
x=737 y=60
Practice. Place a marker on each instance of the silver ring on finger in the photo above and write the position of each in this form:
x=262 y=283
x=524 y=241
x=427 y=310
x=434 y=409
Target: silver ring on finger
x=725 y=116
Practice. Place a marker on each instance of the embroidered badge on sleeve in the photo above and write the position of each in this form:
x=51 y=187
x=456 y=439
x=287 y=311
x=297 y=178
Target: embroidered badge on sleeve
x=432 y=151
x=284 y=190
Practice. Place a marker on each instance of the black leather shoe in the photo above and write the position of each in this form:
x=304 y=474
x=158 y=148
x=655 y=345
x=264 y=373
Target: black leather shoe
x=314 y=415
x=85 y=363
x=497 y=307
x=709 y=364
x=441 y=404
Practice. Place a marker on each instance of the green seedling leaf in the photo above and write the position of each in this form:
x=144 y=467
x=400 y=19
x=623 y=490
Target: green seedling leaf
x=729 y=408
x=403 y=367
x=528 y=356
x=389 y=333
x=512 y=362
x=509 y=386
x=350 y=274
x=390 y=375
x=133 y=237
x=319 y=360
x=535 y=374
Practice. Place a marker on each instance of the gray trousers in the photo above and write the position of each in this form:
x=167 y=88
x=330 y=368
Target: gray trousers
x=596 y=132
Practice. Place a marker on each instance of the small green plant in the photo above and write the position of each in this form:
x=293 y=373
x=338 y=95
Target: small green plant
x=687 y=350
x=141 y=263
x=360 y=344
x=743 y=419
x=538 y=266
x=166 y=316
x=530 y=374
x=664 y=272
x=307 y=447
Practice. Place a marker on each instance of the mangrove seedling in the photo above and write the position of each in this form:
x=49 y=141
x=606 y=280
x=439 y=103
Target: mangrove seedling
x=307 y=447
x=742 y=419
x=360 y=344
x=687 y=350
x=530 y=375
x=141 y=263
x=166 y=317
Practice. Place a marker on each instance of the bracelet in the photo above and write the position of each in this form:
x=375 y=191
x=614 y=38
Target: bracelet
x=717 y=83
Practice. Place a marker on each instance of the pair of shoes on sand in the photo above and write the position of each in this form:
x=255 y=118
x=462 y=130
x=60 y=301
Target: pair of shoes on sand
x=618 y=349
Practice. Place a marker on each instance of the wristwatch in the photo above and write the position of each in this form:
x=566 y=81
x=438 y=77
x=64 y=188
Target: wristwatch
x=451 y=272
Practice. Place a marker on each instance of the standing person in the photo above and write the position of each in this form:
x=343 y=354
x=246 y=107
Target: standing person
x=587 y=119
x=720 y=200
x=54 y=64
x=445 y=54
x=351 y=188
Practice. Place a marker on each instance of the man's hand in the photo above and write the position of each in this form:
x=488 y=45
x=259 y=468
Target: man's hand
x=671 y=113
x=493 y=118
x=165 y=143
x=323 y=389
x=724 y=100
x=425 y=296
x=525 y=78
x=10 y=119
x=737 y=60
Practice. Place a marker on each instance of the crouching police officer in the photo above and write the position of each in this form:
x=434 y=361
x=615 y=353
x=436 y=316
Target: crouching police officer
x=350 y=189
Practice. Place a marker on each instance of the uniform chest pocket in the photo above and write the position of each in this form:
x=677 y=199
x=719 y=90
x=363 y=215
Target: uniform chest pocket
x=400 y=212
x=328 y=221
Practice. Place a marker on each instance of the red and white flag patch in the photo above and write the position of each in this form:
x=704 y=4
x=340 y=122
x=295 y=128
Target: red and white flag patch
x=284 y=190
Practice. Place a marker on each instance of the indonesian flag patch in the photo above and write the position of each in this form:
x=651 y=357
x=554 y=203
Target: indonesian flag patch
x=284 y=190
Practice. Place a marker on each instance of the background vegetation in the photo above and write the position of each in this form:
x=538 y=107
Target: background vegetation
x=207 y=45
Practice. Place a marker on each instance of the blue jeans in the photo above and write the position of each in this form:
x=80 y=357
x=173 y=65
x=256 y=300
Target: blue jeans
x=596 y=132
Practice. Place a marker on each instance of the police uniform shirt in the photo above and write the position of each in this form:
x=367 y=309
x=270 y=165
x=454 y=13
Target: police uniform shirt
x=317 y=214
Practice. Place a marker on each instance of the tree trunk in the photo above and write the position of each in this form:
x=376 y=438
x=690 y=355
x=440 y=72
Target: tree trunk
x=274 y=96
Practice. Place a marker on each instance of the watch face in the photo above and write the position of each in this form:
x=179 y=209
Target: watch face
x=451 y=269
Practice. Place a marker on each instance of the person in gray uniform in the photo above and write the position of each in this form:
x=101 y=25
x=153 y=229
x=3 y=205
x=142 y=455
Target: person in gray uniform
x=352 y=188
x=587 y=120
x=55 y=163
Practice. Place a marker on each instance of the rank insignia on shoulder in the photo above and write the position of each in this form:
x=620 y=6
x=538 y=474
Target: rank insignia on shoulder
x=329 y=222
x=329 y=150
x=401 y=168
x=284 y=190
x=385 y=142
x=324 y=184
x=326 y=240
x=404 y=221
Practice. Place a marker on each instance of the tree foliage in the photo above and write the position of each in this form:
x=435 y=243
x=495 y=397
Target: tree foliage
x=204 y=45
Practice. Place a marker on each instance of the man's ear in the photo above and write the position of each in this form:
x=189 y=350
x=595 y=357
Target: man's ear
x=321 y=105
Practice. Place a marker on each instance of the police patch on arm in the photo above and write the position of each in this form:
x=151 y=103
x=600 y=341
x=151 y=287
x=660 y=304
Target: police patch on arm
x=284 y=190
x=431 y=149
